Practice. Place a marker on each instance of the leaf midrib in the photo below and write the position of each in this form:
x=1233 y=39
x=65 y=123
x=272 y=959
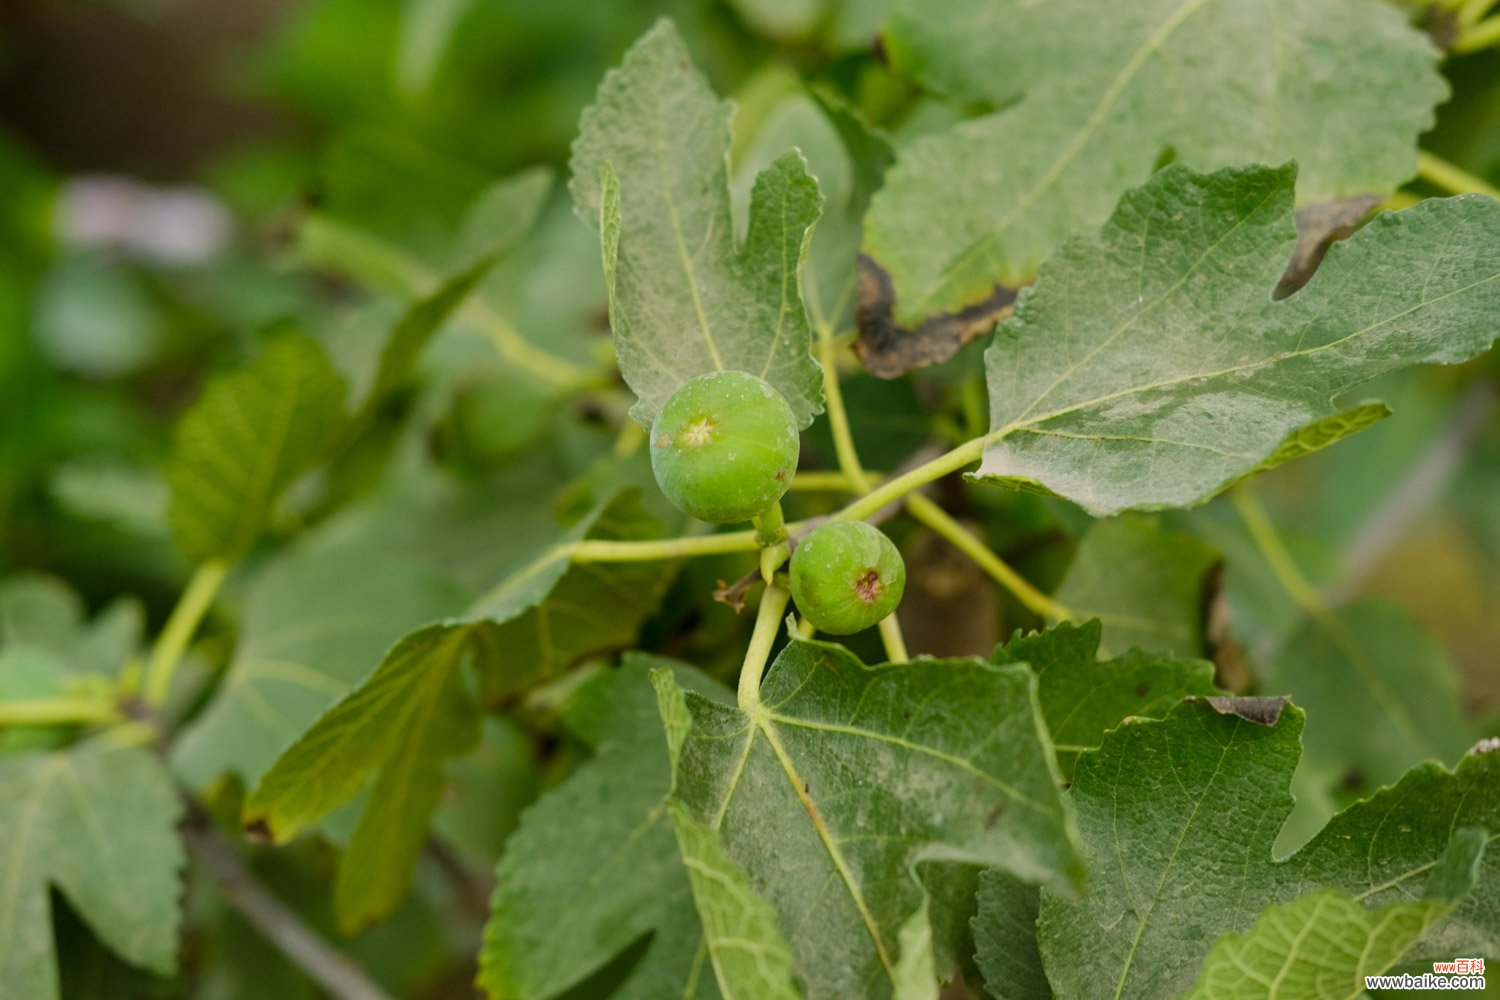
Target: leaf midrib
x=42 y=784
x=830 y=845
x=961 y=763
x=261 y=483
x=103 y=849
x=985 y=244
x=682 y=251
x=292 y=792
x=1259 y=363
x=1147 y=307
x=1161 y=883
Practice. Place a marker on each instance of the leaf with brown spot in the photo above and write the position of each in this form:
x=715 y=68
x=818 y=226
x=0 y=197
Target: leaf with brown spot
x=1263 y=711
x=1320 y=226
x=1083 y=697
x=1149 y=367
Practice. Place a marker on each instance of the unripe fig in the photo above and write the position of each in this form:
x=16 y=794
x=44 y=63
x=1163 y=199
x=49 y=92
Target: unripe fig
x=846 y=576
x=724 y=447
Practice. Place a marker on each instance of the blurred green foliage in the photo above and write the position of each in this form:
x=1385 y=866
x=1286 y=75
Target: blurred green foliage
x=391 y=119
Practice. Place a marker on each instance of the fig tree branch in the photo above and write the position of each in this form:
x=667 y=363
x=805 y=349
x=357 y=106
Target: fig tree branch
x=330 y=968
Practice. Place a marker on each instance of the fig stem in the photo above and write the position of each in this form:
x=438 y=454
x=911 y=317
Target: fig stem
x=947 y=527
x=184 y=620
x=895 y=642
x=647 y=550
x=770 y=526
x=898 y=487
x=817 y=481
x=767 y=623
x=921 y=509
x=772 y=559
x=838 y=416
x=1434 y=169
x=57 y=711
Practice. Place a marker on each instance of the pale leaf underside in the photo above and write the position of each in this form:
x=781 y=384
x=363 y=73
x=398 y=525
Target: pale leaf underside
x=1094 y=94
x=1150 y=367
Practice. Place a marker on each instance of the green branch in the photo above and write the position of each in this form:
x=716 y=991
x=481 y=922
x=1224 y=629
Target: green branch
x=961 y=538
x=1274 y=551
x=838 y=416
x=522 y=353
x=57 y=711
x=770 y=526
x=1440 y=173
x=606 y=550
x=893 y=640
x=767 y=623
x=170 y=646
x=895 y=489
x=815 y=481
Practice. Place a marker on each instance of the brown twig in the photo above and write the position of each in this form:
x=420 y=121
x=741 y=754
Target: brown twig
x=1424 y=485
x=330 y=968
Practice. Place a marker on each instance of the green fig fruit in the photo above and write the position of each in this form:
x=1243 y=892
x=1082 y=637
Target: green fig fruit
x=846 y=576
x=724 y=447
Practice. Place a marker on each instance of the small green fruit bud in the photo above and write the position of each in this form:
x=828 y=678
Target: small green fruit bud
x=846 y=577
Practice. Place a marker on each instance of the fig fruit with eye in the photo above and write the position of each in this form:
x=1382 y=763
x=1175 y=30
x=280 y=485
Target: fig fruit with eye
x=724 y=447
x=846 y=577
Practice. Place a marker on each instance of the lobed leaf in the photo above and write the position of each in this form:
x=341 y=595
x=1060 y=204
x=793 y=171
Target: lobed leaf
x=1150 y=367
x=847 y=780
x=1179 y=817
x=44 y=613
x=1326 y=942
x=849 y=159
x=649 y=168
x=401 y=725
x=99 y=824
x=1006 y=951
x=1093 y=96
x=326 y=608
x=405 y=721
x=595 y=866
x=1082 y=697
